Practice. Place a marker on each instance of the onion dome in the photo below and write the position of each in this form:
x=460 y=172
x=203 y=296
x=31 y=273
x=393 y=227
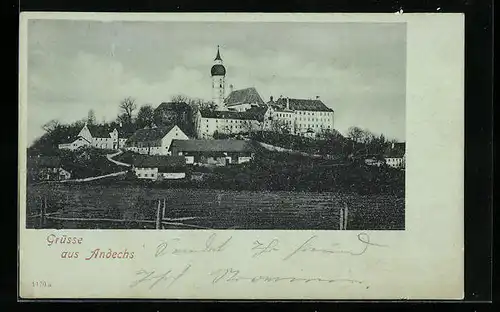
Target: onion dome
x=218 y=70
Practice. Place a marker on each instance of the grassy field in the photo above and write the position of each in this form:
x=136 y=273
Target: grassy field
x=216 y=209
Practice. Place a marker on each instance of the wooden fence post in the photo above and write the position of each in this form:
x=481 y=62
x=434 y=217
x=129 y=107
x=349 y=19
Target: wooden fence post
x=345 y=216
x=158 y=220
x=163 y=212
x=341 y=218
x=43 y=209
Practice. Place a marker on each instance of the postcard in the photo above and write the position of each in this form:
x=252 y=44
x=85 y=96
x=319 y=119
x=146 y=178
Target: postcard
x=241 y=156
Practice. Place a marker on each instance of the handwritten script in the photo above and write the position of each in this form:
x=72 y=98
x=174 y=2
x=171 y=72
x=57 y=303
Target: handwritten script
x=218 y=243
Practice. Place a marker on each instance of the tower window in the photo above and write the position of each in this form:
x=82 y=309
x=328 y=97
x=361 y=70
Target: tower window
x=220 y=86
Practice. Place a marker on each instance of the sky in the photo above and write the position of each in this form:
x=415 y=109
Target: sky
x=357 y=69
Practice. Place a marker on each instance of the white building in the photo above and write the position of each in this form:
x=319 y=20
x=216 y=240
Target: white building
x=159 y=167
x=96 y=136
x=226 y=122
x=299 y=116
x=214 y=152
x=395 y=156
x=154 y=141
x=244 y=110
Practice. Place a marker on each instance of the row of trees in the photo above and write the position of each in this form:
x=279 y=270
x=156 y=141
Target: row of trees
x=131 y=117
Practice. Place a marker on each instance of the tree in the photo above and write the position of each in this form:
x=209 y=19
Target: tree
x=145 y=116
x=91 y=120
x=355 y=134
x=127 y=108
x=51 y=125
x=179 y=98
x=280 y=126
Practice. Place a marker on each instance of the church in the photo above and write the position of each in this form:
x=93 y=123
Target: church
x=243 y=111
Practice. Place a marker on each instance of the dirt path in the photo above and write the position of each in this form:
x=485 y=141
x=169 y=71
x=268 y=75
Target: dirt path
x=114 y=174
x=119 y=163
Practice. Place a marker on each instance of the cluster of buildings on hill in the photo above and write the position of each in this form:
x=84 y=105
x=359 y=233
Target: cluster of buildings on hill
x=239 y=111
x=244 y=110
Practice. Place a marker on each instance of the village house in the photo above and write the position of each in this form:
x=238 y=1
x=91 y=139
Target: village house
x=374 y=160
x=304 y=117
x=96 y=136
x=46 y=168
x=395 y=156
x=155 y=140
x=213 y=152
x=159 y=167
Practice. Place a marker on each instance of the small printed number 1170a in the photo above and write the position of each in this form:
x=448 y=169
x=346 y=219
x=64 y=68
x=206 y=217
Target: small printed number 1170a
x=41 y=284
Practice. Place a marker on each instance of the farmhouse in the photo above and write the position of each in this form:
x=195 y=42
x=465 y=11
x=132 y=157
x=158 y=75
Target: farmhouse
x=213 y=152
x=45 y=168
x=395 y=156
x=96 y=136
x=159 y=167
x=154 y=141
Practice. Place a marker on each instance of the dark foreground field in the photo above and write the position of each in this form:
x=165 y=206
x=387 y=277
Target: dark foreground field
x=215 y=209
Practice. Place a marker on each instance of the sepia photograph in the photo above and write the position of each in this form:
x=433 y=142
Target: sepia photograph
x=205 y=125
x=221 y=156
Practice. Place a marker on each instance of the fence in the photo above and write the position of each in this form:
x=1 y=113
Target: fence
x=45 y=219
x=161 y=222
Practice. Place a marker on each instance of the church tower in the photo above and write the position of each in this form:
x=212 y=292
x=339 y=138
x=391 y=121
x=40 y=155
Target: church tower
x=218 y=73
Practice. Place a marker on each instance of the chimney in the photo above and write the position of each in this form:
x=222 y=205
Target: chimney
x=317 y=97
x=271 y=99
x=231 y=87
x=288 y=103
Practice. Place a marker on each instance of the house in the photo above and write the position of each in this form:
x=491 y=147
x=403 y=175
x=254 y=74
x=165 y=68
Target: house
x=210 y=122
x=395 y=156
x=213 y=152
x=175 y=113
x=97 y=136
x=155 y=140
x=243 y=99
x=159 y=167
x=46 y=168
x=374 y=161
x=304 y=117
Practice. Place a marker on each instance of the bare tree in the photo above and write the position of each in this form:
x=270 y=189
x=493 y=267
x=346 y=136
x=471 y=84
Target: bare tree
x=355 y=134
x=179 y=98
x=91 y=120
x=127 y=108
x=51 y=125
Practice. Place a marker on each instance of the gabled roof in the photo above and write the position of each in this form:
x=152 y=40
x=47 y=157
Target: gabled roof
x=244 y=96
x=303 y=104
x=157 y=161
x=175 y=106
x=103 y=131
x=254 y=113
x=150 y=134
x=211 y=145
x=44 y=162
